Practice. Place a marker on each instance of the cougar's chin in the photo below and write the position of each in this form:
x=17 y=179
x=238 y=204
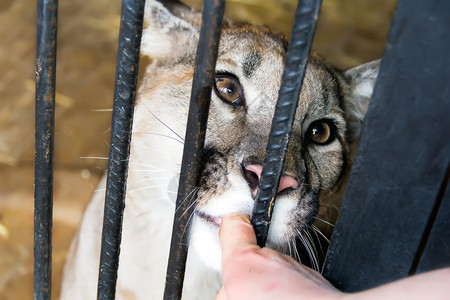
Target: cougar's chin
x=204 y=239
x=204 y=233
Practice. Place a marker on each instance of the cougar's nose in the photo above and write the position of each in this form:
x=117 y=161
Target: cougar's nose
x=252 y=173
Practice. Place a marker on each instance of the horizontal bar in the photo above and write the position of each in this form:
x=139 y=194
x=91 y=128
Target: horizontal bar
x=46 y=36
x=291 y=83
x=132 y=16
x=205 y=64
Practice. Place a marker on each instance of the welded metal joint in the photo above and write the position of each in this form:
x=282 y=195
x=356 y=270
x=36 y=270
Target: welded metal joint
x=294 y=71
x=131 y=24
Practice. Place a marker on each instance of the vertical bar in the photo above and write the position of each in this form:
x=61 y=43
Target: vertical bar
x=47 y=19
x=124 y=94
x=291 y=83
x=207 y=51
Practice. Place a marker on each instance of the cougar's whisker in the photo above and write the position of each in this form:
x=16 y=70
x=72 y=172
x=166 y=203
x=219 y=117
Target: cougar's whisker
x=144 y=188
x=310 y=238
x=153 y=178
x=164 y=135
x=311 y=254
x=297 y=255
x=289 y=248
x=190 y=195
x=323 y=221
x=317 y=230
x=164 y=124
x=187 y=223
x=94 y=157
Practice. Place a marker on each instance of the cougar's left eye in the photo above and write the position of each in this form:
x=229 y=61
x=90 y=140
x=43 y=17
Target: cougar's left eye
x=321 y=132
x=229 y=90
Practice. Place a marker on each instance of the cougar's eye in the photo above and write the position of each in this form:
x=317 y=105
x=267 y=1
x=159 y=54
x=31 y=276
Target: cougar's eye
x=321 y=132
x=228 y=89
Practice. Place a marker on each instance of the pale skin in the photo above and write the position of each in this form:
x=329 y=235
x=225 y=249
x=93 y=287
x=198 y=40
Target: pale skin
x=251 y=272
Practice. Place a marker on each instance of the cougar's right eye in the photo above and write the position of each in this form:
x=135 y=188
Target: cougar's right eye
x=228 y=89
x=322 y=132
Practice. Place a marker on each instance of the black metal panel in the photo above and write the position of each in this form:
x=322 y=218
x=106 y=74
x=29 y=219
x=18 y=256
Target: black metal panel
x=132 y=16
x=437 y=249
x=291 y=83
x=47 y=19
x=403 y=154
x=205 y=64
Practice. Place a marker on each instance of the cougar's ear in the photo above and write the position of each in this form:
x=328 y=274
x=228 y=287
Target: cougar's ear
x=169 y=31
x=357 y=89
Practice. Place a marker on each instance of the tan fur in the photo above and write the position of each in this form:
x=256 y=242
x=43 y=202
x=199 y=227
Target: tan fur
x=236 y=137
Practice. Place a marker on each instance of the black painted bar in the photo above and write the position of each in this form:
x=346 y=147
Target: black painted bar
x=395 y=212
x=294 y=71
x=205 y=63
x=132 y=16
x=47 y=20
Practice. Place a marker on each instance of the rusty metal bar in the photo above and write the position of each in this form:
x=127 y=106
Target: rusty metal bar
x=47 y=20
x=297 y=58
x=132 y=16
x=195 y=135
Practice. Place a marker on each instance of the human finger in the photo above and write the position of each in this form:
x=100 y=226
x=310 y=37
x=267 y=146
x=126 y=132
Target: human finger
x=221 y=295
x=236 y=235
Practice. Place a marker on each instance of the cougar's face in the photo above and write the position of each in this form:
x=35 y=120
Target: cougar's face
x=248 y=75
x=331 y=107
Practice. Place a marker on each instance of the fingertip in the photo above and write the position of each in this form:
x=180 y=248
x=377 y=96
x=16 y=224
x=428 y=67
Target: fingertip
x=232 y=223
x=236 y=218
x=221 y=295
x=236 y=234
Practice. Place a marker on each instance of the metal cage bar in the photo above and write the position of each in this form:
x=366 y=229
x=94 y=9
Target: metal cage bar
x=46 y=34
x=205 y=64
x=131 y=24
x=291 y=83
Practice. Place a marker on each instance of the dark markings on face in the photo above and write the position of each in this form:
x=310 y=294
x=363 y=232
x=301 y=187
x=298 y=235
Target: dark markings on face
x=214 y=170
x=251 y=62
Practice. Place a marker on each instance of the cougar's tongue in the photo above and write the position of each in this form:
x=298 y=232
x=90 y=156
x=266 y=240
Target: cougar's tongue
x=211 y=219
x=217 y=220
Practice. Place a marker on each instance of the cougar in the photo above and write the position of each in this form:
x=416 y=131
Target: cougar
x=248 y=73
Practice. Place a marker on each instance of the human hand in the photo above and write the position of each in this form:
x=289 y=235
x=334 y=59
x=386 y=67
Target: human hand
x=251 y=272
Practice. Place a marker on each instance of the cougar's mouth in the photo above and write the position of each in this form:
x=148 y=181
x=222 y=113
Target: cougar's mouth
x=215 y=221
